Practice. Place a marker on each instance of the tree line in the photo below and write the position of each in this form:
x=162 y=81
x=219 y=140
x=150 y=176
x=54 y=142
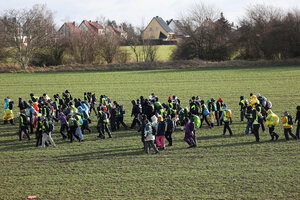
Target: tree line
x=264 y=32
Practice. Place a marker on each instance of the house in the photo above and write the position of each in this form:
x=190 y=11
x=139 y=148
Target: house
x=120 y=32
x=67 y=29
x=175 y=26
x=116 y=31
x=91 y=26
x=157 y=29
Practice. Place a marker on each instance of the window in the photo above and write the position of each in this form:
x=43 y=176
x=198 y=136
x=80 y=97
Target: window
x=150 y=29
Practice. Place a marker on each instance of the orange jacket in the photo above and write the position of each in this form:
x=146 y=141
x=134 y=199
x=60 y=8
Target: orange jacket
x=284 y=122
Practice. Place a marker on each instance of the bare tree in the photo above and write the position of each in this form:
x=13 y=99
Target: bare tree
x=134 y=41
x=27 y=29
x=255 y=28
x=83 y=47
x=109 y=46
x=149 y=51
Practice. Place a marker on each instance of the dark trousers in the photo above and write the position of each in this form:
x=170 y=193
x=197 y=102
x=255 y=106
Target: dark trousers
x=204 y=118
x=217 y=118
x=102 y=128
x=113 y=123
x=72 y=132
x=62 y=129
x=56 y=112
x=11 y=122
x=85 y=126
x=25 y=130
x=272 y=133
x=149 y=144
x=227 y=127
x=298 y=130
x=255 y=130
x=134 y=122
x=120 y=120
x=249 y=126
x=93 y=108
x=191 y=142
x=143 y=138
x=220 y=114
x=169 y=137
x=38 y=138
x=287 y=132
x=242 y=114
x=262 y=126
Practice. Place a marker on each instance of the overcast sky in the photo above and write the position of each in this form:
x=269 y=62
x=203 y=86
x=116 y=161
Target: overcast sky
x=137 y=12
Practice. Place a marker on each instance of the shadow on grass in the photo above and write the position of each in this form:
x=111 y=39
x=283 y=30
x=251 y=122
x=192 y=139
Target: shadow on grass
x=103 y=154
x=242 y=144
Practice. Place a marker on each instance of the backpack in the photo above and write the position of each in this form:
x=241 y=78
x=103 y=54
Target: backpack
x=50 y=126
x=290 y=120
x=148 y=129
x=228 y=114
x=122 y=110
x=197 y=121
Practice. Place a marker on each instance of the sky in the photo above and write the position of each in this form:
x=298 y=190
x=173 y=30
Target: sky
x=137 y=12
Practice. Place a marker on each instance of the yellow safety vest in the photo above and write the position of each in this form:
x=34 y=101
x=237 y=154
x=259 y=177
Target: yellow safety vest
x=256 y=120
x=286 y=123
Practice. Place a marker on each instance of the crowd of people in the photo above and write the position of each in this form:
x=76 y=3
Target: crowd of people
x=258 y=111
x=37 y=116
x=157 y=121
x=154 y=120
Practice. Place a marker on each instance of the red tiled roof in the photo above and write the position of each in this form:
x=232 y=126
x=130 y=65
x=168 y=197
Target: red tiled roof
x=92 y=26
x=73 y=28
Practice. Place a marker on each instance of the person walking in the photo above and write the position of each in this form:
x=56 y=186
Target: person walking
x=243 y=107
x=256 y=122
x=272 y=120
x=63 y=124
x=161 y=132
x=149 y=137
x=227 y=118
x=49 y=127
x=136 y=111
x=287 y=124
x=170 y=129
x=189 y=134
x=23 y=125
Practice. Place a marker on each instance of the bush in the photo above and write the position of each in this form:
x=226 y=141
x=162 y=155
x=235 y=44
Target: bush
x=47 y=57
x=123 y=56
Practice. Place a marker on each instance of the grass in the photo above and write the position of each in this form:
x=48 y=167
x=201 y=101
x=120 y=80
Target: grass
x=163 y=52
x=220 y=168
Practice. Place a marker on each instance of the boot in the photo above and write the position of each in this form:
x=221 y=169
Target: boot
x=276 y=136
x=12 y=122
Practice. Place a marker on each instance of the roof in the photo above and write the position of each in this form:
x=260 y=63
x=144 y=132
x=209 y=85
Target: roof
x=71 y=26
x=118 y=29
x=92 y=26
x=163 y=24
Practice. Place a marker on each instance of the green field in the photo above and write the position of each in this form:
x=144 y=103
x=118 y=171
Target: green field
x=222 y=167
x=163 y=52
